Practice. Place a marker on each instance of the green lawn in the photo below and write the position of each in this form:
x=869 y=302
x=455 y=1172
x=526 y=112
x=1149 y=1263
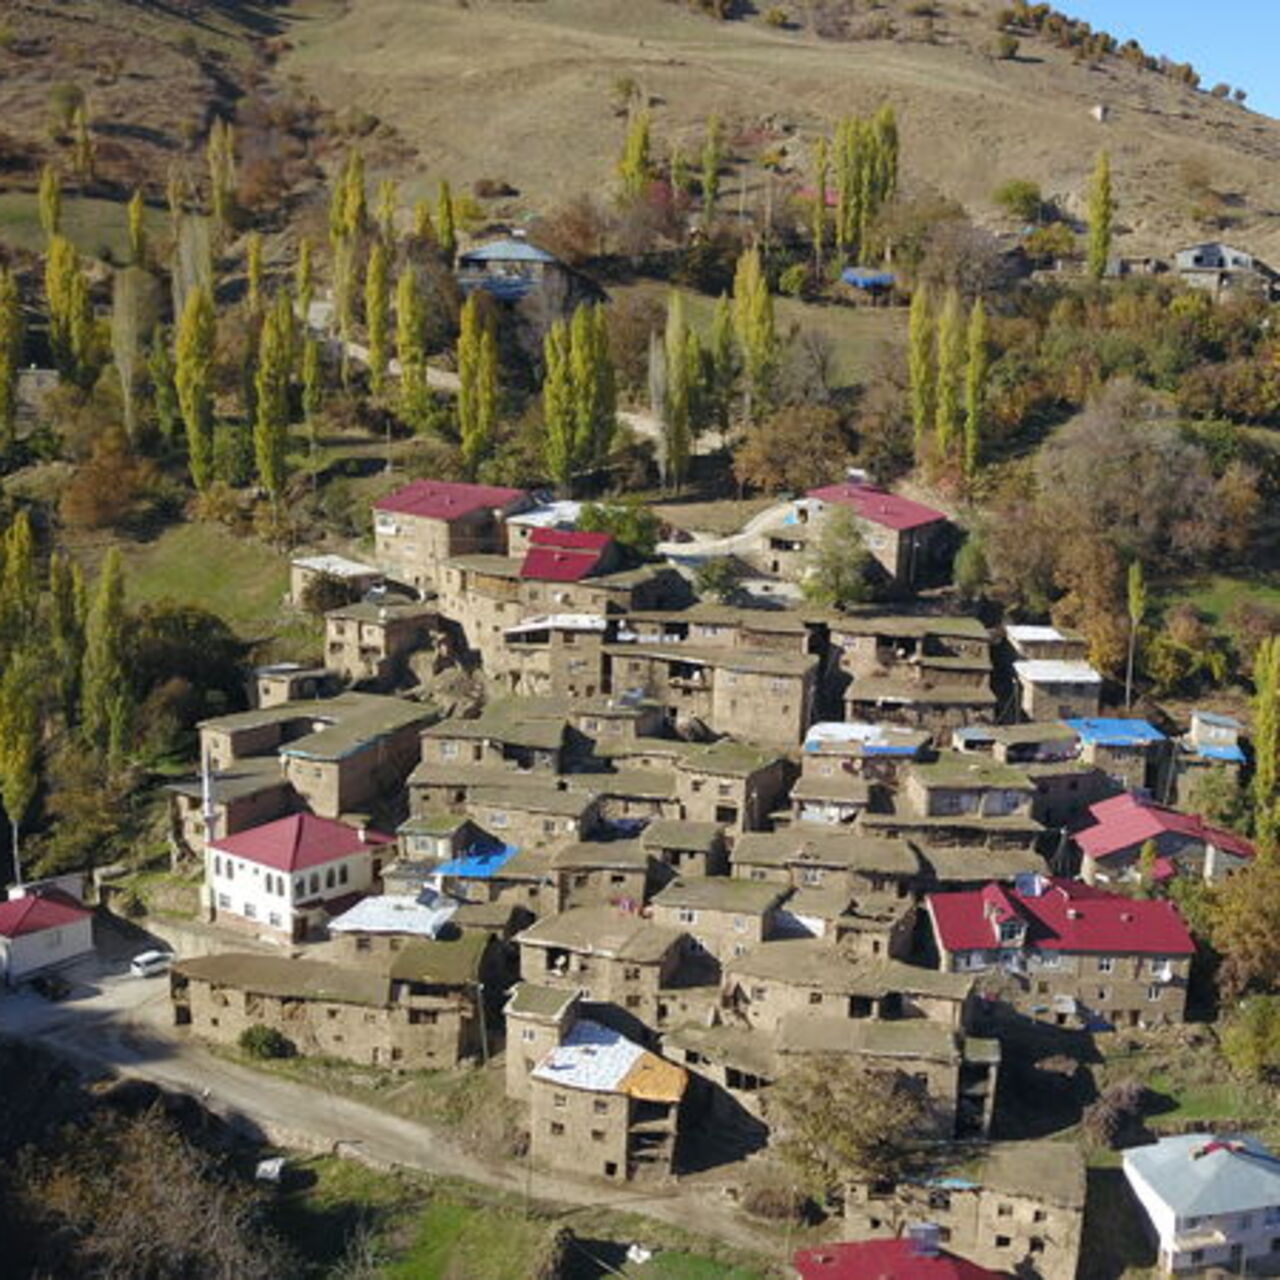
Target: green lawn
x=456 y=1239
x=687 y=1266
x=90 y=224
x=1216 y=596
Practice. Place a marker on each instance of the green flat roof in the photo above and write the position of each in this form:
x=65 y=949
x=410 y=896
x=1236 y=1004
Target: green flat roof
x=740 y=759
x=529 y=1000
x=442 y=962
x=721 y=893
x=963 y=769
x=287 y=978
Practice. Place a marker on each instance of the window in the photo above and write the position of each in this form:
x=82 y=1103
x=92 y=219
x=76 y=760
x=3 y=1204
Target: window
x=329 y=879
x=633 y=1002
x=686 y=915
x=273 y=919
x=597 y=1135
x=557 y=1129
x=1106 y=964
x=217 y=865
x=231 y=870
x=600 y=1106
x=1153 y=993
x=364 y=943
x=939 y=1200
x=631 y=973
x=224 y=902
x=559 y=1100
x=759 y=993
x=1246 y=1221
x=815 y=997
x=1002 y=1242
x=315 y=882
x=342 y=874
x=1004 y=1211
x=299 y=887
x=250 y=911
x=498 y=818
x=1038 y=1215
x=1035 y=1245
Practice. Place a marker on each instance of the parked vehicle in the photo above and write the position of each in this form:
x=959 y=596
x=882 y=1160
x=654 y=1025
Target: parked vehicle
x=146 y=964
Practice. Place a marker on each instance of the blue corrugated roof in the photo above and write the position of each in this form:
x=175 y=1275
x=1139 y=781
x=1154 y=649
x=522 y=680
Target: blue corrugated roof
x=508 y=249
x=1115 y=731
x=864 y=278
x=1233 y=754
x=478 y=863
x=1215 y=718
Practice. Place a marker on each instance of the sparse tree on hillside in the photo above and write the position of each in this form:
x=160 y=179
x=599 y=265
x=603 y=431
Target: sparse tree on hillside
x=376 y=301
x=220 y=159
x=193 y=379
x=677 y=435
x=83 y=156
x=67 y=613
x=386 y=210
x=105 y=697
x=312 y=399
x=50 y=202
x=595 y=397
x=975 y=389
x=477 y=383
x=754 y=327
x=271 y=422
x=164 y=395
x=921 y=368
x=1101 y=217
x=137 y=211
x=74 y=333
x=712 y=159
x=19 y=584
x=446 y=223
x=724 y=363
x=411 y=350
x=424 y=228
x=1266 y=729
x=19 y=745
x=11 y=350
x=635 y=166
x=949 y=363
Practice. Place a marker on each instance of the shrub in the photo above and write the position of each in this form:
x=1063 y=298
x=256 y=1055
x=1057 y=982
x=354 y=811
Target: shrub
x=493 y=189
x=1251 y=1038
x=796 y=280
x=1007 y=46
x=777 y=16
x=261 y=1041
x=1021 y=198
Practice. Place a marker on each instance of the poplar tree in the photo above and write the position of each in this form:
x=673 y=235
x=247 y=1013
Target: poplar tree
x=11 y=349
x=74 y=334
x=105 y=700
x=821 y=172
x=19 y=585
x=424 y=229
x=411 y=351
x=376 y=300
x=50 y=202
x=304 y=279
x=19 y=745
x=135 y=304
x=271 y=422
x=312 y=398
x=220 y=159
x=67 y=609
x=921 y=369
x=712 y=159
x=446 y=223
x=594 y=388
x=678 y=172
x=975 y=388
x=635 y=166
x=1101 y=214
x=83 y=158
x=137 y=211
x=193 y=380
x=558 y=416
x=477 y=384
x=1266 y=728
x=884 y=126
x=950 y=362
x=386 y=210
x=724 y=361
x=164 y=395
x=253 y=272
x=1136 y=598
x=675 y=409
x=754 y=328
x=344 y=293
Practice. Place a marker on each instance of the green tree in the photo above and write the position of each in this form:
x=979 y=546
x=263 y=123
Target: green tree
x=1136 y=599
x=137 y=212
x=271 y=422
x=220 y=159
x=950 y=358
x=558 y=417
x=821 y=175
x=304 y=284
x=50 y=201
x=595 y=399
x=1250 y=1038
x=83 y=155
x=12 y=340
x=19 y=745
x=724 y=363
x=1021 y=198
x=971 y=572
x=446 y=223
x=719 y=579
x=312 y=400
x=411 y=350
x=477 y=383
x=424 y=228
x=975 y=389
x=193 y=380
x=67 y=608
x=712 y=160
x=921 y=366
x=253 y=272
x=635 y=166
x=1244 y=927
x=135 y=307
x=835 y=573
x=19 y=585
x=1101 y=214
x=676 y=443
x=1147 y=858
x=74 y=334
x=754 y=327
x=1266 y=724
x=106 y=704
x=376 y=302
x=635 y=528
x=164 y=395
x=386 y=210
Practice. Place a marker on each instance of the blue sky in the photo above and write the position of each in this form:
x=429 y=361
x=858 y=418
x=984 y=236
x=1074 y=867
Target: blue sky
x=1232 y=40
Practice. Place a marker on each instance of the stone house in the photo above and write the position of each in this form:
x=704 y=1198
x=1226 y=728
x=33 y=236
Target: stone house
x=422 y=1008
x=1018 y=1206
x=874 y=925
x=876 y=753
x=1066 y=790
x=608 y=872
x=553 y=655
x=723 y=916
x=817 y=857
x=834 y=801
x=432 y=838
x=1040 y=742
x=1221 y=270
x=536 y=1020
x=1185 y=844
x=1209 y=748
x=246 y=793
x=427 y=522
x=718 y=626
x=1066 y=952
x=617 y=723
x=604 y=1106
x=519 y=734
x=688 y=848
x=279 y=682
x=1133 y=752
x=610 y=955
x=356 y=576
x=511 y=268
x=806 y=975
x=283 y=880
x=629 y=797
x=369 y=642
x=1051 y=688
x=731 y=784
x=1033 y=643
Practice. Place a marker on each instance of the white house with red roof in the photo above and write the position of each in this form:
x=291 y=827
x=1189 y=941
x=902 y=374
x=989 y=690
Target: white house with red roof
x=1061 y=950
x=1185 y=843
x=286 y=879
x=420 y=526
x=907 y=538
x=567 y=555
x=915 y=1256
x=40 y=931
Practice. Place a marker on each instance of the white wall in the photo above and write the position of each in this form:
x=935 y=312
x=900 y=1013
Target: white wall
x=269 y=897
x=24 y=955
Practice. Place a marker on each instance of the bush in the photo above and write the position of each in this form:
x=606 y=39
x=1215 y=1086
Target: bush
x=796 y=280
x=326 y=591
x=777 y=16
x=719 y=578
x=774 y=1201
x=1007 y=46
x=1021 y=198
x=261 y=1041
x=1251 y=1038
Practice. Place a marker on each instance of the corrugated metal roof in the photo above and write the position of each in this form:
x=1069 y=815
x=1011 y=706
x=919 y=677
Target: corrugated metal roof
x=878 y=506
x=1199 y=1175
x=423 y=916
x=1056 y=671
x=599 y=1059
x=507 y=249
x=1115 y=731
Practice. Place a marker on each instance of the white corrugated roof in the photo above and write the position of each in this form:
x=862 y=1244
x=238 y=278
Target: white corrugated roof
x=1056 y=671
x=592 y=1057
x=1200 y=1175
x=550 y=515
x=1026 y=632
x=338 y=566
x=423 y=916
x=558 y=622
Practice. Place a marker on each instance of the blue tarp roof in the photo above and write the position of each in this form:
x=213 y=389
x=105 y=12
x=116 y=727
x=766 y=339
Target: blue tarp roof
x=864 y=278
x=1213 y=717
x=478 y=863
x=1233 y=754
x=1115 y=731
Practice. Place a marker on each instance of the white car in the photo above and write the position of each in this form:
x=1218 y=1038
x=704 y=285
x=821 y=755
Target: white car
x=146 y=964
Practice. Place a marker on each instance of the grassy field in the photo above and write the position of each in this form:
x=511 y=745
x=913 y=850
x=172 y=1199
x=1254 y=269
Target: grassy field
x=93 y=226
x=1217 y=596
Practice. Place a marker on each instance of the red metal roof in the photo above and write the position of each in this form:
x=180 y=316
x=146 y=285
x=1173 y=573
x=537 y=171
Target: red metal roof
x=39 y=911
x=878 y=506
x=558 y=555
x=1126 y=821
x=570 y=539
x=299 y=841
x=443 y=500
x=898 y=1259
x=1067 y=916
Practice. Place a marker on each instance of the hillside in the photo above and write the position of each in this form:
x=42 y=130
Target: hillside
x=524 y=93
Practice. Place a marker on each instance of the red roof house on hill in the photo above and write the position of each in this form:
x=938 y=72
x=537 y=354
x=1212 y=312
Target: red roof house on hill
x=899 y=1259
x=905 y=536
x=1184 y=842
x=282 y=879
x=420 y=526
x=565 y=555
x=41 y=930
x=1059 y=947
